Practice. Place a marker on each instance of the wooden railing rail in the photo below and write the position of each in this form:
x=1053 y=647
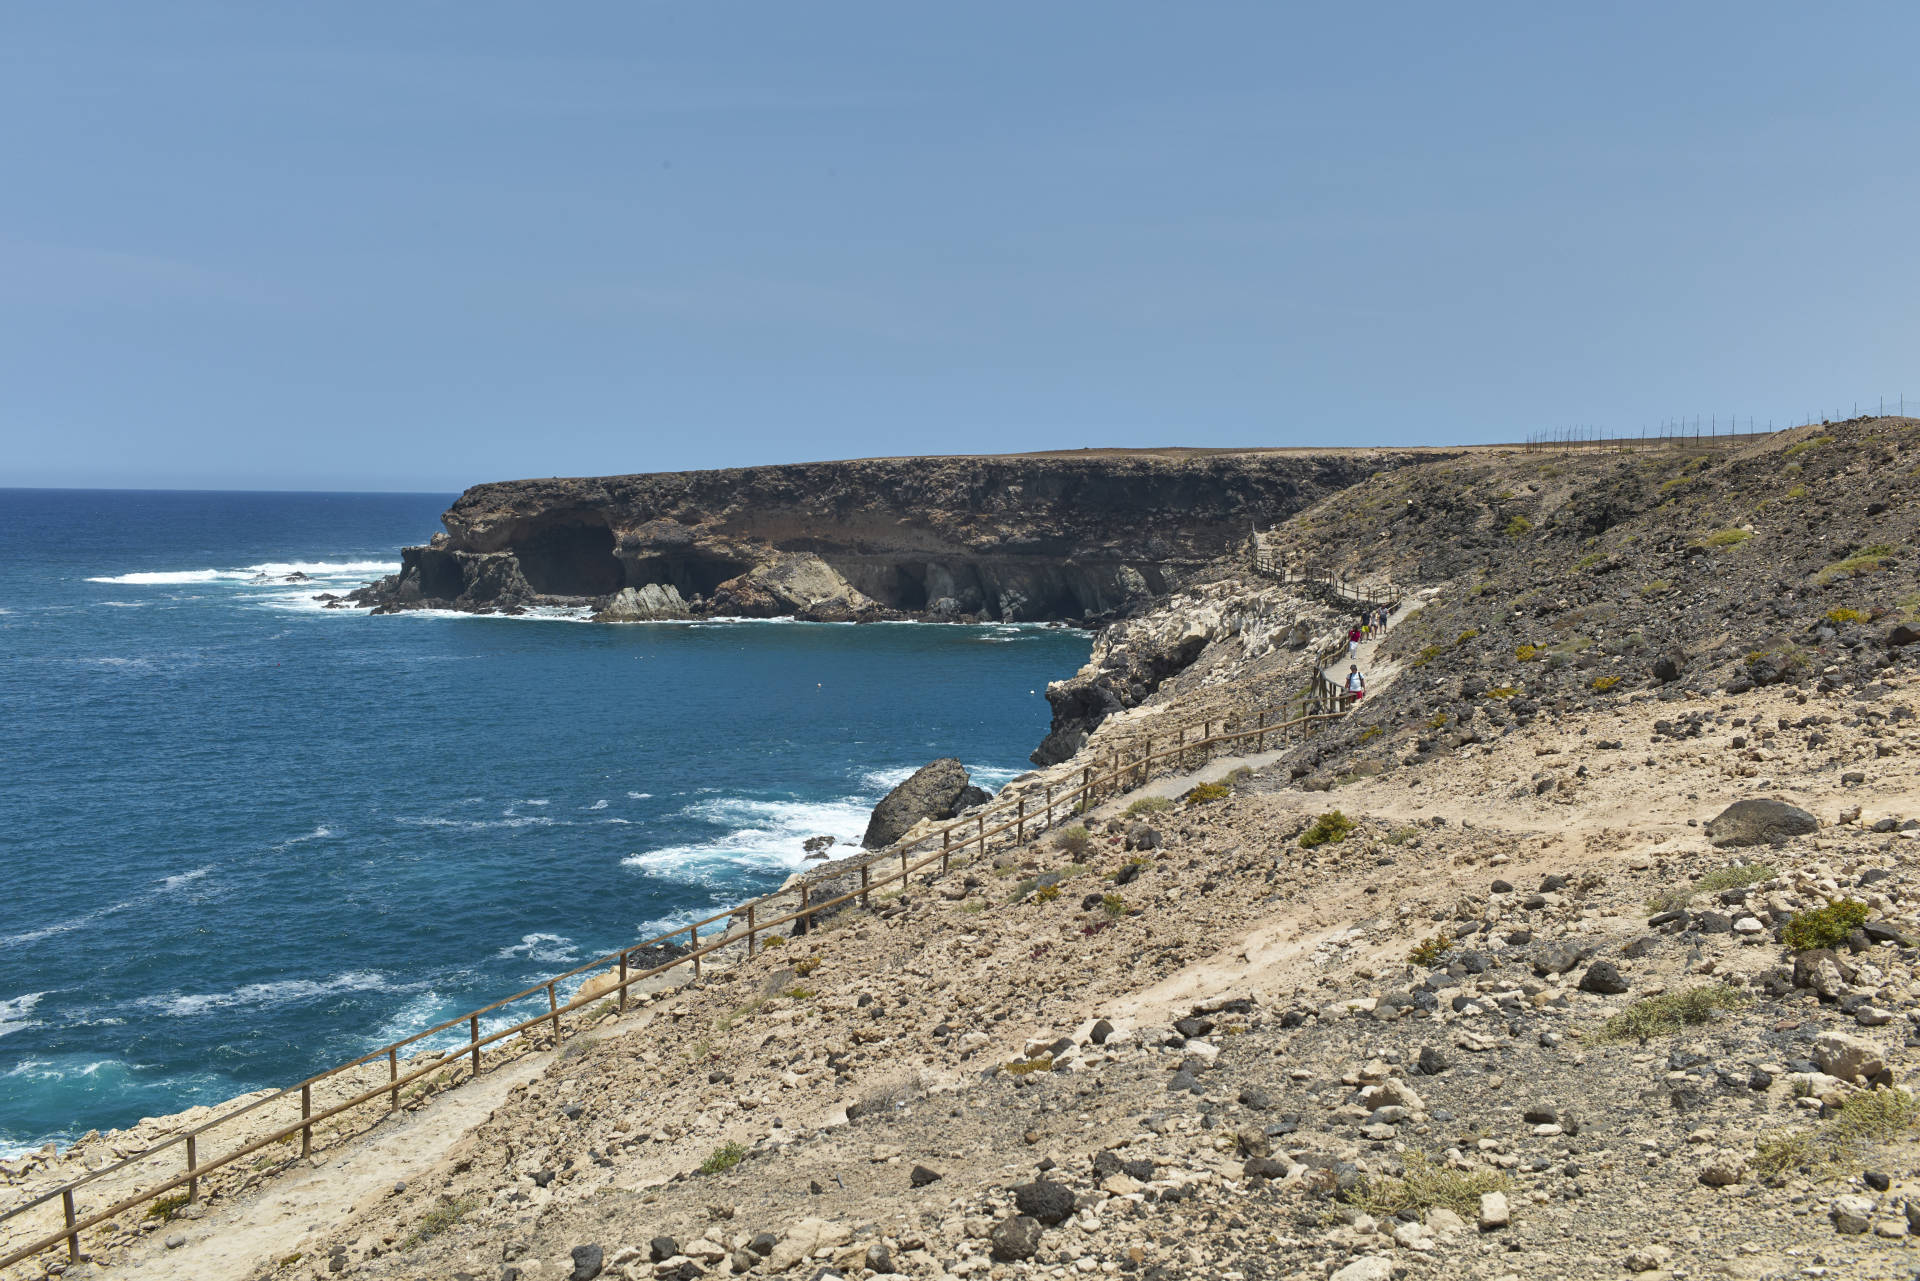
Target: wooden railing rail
x=1124 y=771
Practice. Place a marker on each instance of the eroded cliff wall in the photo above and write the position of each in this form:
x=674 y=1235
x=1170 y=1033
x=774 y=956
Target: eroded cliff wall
x=1019 y=537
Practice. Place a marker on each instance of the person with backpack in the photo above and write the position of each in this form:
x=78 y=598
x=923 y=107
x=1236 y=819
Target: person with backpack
x=1356 y=683
x=1353 y=643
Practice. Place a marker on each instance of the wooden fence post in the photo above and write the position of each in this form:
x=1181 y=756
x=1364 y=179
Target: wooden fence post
x=1261 y=741
x=193 y=1163
x=73 y=1238
x=473 y=1025
x=980 y=833
x=903 y=869
x=393 y=1080
x=806 y=917
x=623 y=982
x=693 y=932
x=750 y=930
x=1020 y=823
x=553 y=1009
x=1146 y=763
x=306 y=1114
x=1206 y=742
x=1049 y=807
x=946 y=849
x=863 y=886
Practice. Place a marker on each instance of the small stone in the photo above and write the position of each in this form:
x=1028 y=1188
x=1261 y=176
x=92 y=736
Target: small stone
x=587 y=1262
x=1253 y=1097
x=660 y=1249
x=1265 y=1167
x=1016 y=1238
x=1432 y=1061
x=1494 y=1214
x=176 y=1240
x=1891 y=1228
x=921 y=1176
x=1650 y=1259
x=1852 y=1215
x=1846 y=1057
x=1371 y=1268
x=1049 y=1202
x=1603 y=978
x=879 y=1258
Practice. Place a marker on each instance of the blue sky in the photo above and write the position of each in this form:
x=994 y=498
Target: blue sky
x=420 y=246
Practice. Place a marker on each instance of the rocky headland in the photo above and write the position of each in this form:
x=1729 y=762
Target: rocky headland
x=1587 y=946
x=1038 y=537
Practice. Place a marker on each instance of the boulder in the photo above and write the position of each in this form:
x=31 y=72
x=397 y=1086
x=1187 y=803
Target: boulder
x=1045 y=1200
x=1759 y=822
x=1603 y=978
x=1016 y=1238
x=1846 y=1057
x=1668 y=666
x=803 y=1238
x=1902 y=635
x=643 y=605
x=938 y=790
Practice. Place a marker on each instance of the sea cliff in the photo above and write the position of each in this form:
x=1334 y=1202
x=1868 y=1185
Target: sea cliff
x=1039 y=537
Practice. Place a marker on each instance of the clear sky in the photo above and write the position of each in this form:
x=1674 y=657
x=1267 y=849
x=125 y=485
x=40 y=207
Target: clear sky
x=415 y=246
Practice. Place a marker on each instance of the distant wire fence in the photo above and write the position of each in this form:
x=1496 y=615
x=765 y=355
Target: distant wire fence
x=1699 y=433
x=366 y=1090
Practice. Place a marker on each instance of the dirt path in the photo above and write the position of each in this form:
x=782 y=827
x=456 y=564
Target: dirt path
x=286 y=1216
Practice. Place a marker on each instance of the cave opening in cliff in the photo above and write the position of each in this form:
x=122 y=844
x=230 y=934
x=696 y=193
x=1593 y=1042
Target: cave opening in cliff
x=440 y=577
x=691 y=573
x=570 y=560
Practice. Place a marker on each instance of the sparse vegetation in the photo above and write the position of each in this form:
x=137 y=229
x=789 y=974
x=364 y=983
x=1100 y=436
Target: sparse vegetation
x=1501 y=691
x=1527 y=653
x=1669 y=1012
x=1075 y=840
x=1724 y=538
x=1427 y=655
x=1589 y=560
x=1427 y=953
x=1825 y=926
x=1839 y=1147
x=1401 y=835
x=1370 y=733
x=774 y=940
x=1113 y=905
x=1207 y=794
x=1149 y=805
x=799 y=994
x=1657 y=587
x=806 y=966
x=723 y=1158
x=166 y=1207
x=1602 y=684
x=1866 y=561
x=439 y=1219
x=1046 y=894
x=1027 y=1067
x=1519 y=527
x=1423 y=1186
x=1804 y=446
x=1467 y=635
x=1720 y=878
x=1844 y=614
x=1329 y=829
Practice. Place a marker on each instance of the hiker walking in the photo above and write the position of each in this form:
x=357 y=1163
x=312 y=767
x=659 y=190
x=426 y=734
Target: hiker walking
x=1356 y=684
x=1353 y=643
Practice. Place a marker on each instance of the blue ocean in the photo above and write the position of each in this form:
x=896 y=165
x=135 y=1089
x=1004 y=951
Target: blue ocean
x=245 y=837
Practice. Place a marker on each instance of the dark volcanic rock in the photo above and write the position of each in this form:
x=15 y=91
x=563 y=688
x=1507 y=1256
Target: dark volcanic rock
x=938 y=790
x=1604 y=978
x=1045 y=1200
x=1759 y=822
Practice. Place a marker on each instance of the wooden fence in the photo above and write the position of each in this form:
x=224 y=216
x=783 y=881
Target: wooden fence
x=1010 y=820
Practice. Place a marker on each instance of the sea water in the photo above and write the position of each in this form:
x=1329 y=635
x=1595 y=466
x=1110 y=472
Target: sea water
x=245 y=837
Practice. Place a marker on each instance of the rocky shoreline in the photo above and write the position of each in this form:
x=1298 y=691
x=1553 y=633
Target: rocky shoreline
x=1588 y=946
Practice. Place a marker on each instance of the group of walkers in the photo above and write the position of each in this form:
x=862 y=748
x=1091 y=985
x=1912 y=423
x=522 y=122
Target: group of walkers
x=1369 y=626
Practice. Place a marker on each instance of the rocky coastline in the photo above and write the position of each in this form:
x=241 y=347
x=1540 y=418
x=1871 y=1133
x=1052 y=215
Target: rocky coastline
x=1025 y=538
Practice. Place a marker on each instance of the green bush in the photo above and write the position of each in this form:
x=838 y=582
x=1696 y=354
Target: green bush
x=167 y=1206
x=1795 y=450
x=1074 y=840
x=1028 y=1066
x=1207 y=794
x=1825 y=926
x=1149 y=805
x=1527 y=653
x=1669 y=1012
x=723 y=1158
x=1329 y=829
x=1723 y=538
x=1657 y=586
x=1427 y=953
x=1837 y=1148
x=1113 y=905
x=1518 y=527
x=1046 y=894
x=1604 y=683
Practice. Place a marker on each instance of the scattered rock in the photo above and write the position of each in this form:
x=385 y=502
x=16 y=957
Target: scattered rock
x=1759 y=821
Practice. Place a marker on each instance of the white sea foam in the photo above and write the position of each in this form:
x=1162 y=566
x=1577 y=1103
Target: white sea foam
x=758 y=836
x=552 y=949
x=17 y=1013
x=184 y=878
x=484 y=824
x=125 y=604
x=319 y=833
x=537 y=801
x=276 y=993
x=639 y=796
x=270 y=571
x=597 y=805
x=882 y=781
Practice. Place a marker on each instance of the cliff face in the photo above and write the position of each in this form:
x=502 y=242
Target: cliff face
x=1016 y=538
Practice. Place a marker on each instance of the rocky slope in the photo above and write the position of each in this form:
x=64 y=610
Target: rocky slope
x=1477 y=982
x=1032 y=537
